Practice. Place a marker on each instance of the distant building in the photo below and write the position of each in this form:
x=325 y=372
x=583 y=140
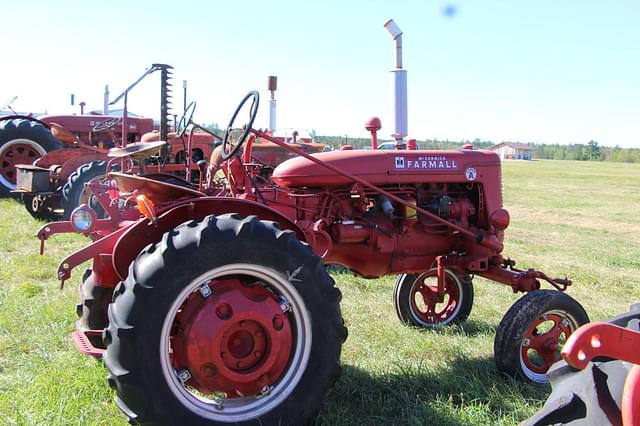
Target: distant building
x=513 y=151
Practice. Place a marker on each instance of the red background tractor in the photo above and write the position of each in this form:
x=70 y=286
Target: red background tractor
x=58 y=155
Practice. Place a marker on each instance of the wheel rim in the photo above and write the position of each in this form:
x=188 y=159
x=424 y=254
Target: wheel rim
x=425 y=307
x=542 y=342
x=252 y=352
x=17 y=151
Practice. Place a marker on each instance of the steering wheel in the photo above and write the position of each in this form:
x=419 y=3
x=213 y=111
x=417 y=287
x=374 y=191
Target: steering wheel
x=185 y=120
x=229 y=147
x=107 y=124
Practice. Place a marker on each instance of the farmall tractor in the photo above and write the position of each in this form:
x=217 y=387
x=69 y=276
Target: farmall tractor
x=211 y=304
x=49 y=161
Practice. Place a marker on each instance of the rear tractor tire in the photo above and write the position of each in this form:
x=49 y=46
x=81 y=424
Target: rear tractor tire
x=21 y=142
x=415 y=301
x=532 y=332
x=228 y=320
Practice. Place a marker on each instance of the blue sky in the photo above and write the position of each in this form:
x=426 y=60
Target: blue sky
x=539 y=71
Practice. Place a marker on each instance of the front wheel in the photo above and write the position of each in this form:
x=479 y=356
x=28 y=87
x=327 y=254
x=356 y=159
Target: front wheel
x=417 y=303
x=226 y=320
x=532 y=332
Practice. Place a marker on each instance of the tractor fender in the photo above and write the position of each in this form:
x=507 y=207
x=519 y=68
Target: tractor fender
x=145 y=232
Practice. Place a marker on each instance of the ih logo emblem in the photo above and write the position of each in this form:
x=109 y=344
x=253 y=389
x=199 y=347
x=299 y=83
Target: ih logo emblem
x=471 y=173
x=399 y=162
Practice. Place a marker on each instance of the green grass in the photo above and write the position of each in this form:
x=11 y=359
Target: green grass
x=573 y=218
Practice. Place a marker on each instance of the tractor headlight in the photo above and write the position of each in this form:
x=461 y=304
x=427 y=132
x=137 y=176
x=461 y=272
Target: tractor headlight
x=500 y=219
x=83 y=219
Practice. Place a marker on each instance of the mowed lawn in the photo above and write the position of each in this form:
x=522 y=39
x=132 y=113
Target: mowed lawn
x=578 y=219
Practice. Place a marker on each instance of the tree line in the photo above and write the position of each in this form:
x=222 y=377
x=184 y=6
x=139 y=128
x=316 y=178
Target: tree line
x=591 y=151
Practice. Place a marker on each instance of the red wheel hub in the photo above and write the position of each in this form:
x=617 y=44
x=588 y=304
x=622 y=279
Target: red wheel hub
x=432 y=307
x=236 y=340
x=18 y=153
x=541 y=345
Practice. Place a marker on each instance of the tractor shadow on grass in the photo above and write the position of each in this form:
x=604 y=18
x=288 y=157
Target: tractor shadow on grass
x=463 y=391
x=474 y=327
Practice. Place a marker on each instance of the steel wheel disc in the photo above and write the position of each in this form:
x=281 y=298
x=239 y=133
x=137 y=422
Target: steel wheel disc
x=239 y=335
x=17 y=151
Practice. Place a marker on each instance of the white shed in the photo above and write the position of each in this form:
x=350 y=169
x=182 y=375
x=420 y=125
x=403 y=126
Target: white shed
x=513 y=151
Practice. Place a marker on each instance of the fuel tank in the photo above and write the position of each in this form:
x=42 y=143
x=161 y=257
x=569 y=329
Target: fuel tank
x=391 y=167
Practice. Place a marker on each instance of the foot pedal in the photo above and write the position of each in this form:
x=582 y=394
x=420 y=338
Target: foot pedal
x=84 y=345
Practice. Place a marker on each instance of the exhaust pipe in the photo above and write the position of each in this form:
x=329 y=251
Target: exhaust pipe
x=106 y=100
x=399 y=81
x=272 y=86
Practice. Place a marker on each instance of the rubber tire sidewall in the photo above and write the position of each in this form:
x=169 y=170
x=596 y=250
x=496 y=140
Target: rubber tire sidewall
x=162 y=270
x=25 y=129
x=518 y=319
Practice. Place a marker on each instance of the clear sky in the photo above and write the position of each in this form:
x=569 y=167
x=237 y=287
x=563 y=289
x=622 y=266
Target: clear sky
x=530 y=71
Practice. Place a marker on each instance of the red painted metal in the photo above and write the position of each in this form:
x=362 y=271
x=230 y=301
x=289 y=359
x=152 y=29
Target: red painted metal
x=539 y=349
x=84 y=345
x=291 y=176
x=631 y=398
x=438 y=302
x=134 y=238
x=235 y=341
x=601 y=339
x=373 y=125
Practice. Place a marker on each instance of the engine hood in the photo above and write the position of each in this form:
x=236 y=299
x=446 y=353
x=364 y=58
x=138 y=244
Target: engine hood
x=389 y=167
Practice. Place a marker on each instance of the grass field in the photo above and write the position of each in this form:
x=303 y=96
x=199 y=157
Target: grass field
x=573 y=218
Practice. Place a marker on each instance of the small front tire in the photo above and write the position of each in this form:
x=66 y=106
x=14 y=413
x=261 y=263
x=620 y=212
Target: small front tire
x=531 y=334
x=415 y=299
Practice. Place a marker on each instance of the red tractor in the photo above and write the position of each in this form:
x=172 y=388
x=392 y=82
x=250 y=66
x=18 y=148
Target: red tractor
x=211 y=304
x=57 y=155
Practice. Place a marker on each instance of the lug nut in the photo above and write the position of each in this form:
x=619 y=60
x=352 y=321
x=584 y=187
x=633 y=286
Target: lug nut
x=223 y=311
x=209 y=370
x=277 y=322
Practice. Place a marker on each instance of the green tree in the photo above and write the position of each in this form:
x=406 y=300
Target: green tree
x=593 y=151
